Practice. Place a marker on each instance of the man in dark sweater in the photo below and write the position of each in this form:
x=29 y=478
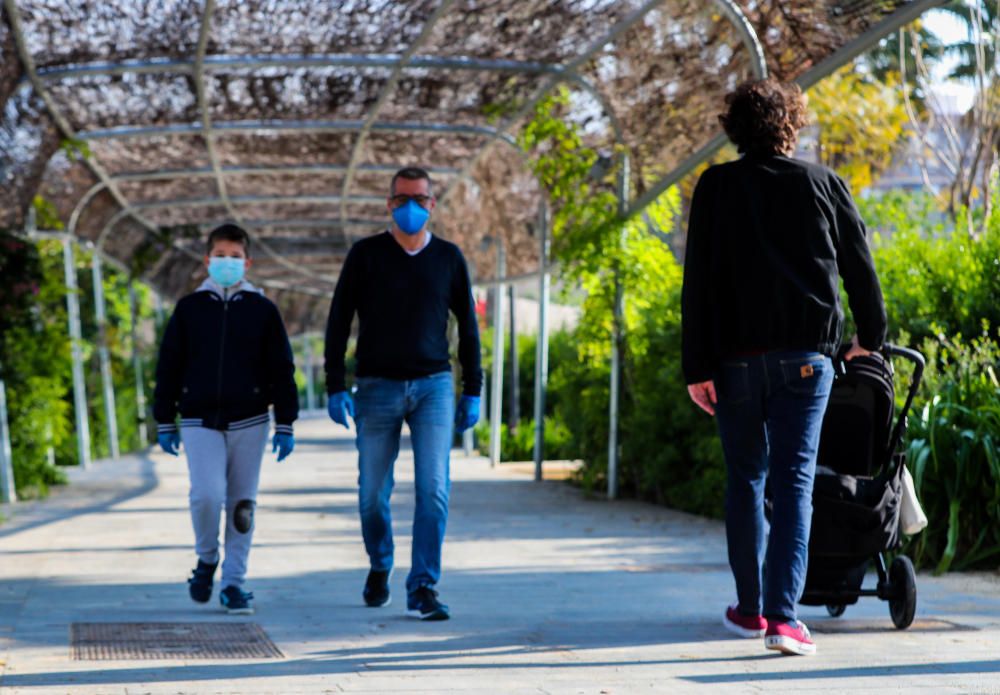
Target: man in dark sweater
x=768 y=237
x=402 y=284
x=224 y=359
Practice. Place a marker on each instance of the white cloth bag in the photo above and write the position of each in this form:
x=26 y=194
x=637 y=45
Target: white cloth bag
x=911 y=515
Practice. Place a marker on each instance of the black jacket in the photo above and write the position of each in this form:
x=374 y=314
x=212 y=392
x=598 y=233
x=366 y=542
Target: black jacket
x=402 y=303
x=224 y=361
x=767 y=238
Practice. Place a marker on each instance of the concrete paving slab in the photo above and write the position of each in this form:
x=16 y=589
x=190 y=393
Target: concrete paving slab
x=551 y=592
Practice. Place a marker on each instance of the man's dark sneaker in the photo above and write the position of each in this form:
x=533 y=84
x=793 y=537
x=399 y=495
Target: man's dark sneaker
x=376 y=593
x=200 y=583
x=236 y=601
x=423 y=604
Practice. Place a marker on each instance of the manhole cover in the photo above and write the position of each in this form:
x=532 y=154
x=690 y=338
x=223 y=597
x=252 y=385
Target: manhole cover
x=103 y=641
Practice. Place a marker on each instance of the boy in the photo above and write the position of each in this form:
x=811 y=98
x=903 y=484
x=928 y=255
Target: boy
x=224 y=359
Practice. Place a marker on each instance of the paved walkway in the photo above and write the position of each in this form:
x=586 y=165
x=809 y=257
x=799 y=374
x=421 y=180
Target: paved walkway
x=551 y=593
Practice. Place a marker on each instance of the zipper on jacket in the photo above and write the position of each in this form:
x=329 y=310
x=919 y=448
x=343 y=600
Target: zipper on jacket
x=222 y=354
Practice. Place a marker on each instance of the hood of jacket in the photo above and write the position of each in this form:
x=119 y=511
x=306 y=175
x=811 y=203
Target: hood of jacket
x=209 y=285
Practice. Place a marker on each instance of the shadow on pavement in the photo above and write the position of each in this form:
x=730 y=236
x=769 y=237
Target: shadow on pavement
x=895 y=670
x=102 y=487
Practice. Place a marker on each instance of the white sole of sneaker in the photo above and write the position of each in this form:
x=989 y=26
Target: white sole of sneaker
x=740 y=631
x=432 y=617
x=787 y=645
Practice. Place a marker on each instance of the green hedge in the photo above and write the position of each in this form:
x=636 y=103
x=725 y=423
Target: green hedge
x=953 y=454
x=36 y=366
x=941 y=284
x=942 y=287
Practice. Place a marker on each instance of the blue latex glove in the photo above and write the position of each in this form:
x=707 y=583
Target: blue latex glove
x=170 y=442
x=467 y=413
x=284 y=444
x=339 y=405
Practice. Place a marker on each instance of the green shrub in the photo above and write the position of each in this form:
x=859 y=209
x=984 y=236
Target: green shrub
x=942 y=283
x=559 y=444
x=34 y=363
x=937 y=278
x=36 y=366
x=953 y=454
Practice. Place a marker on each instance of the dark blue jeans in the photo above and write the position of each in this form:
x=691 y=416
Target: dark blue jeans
x=428 y=407
x=770 y=412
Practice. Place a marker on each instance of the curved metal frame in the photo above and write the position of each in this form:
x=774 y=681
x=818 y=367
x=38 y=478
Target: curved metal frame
x=319 y=126
x=386 y=91
x=202 y=63
x=56 y=114
x=220 y=63
x=839 y=58
x=552 y=76
x=747 y=34
x=97 y=188
x=729 y=8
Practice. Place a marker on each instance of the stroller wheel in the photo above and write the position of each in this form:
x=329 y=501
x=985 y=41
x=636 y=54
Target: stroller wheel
x=835 y=609
x=903 y=583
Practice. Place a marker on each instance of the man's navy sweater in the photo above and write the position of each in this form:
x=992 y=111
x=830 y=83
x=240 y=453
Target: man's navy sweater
x=402 y=303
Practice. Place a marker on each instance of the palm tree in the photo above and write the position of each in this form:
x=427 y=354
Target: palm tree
x=883 y=60
x=967 y=12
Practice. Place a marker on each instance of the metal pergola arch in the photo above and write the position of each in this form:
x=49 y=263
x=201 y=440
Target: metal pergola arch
x=197 y=68
x=744 y=17
x=278 y=126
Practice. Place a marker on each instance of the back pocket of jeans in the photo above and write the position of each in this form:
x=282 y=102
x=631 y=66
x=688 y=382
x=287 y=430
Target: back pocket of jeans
x=732 y=383
x=804 y=374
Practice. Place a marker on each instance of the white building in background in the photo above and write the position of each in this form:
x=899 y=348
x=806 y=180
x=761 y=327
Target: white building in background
x=561 y=316
x=910 y=163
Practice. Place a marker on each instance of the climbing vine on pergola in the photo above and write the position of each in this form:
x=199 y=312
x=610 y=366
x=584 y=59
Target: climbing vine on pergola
x=143 y=124
x=289 y=117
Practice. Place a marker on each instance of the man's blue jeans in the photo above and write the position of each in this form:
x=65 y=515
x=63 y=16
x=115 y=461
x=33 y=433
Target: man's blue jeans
x=427 y=405
x=770 y=412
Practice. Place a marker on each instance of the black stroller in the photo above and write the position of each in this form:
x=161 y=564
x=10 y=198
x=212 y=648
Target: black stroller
x=856 y=499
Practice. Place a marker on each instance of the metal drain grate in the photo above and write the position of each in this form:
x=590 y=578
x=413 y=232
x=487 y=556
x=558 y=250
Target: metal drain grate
x=104 y=641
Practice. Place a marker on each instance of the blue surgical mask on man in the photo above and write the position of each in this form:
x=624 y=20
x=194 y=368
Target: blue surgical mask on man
x=226 y=272
x=410 y=217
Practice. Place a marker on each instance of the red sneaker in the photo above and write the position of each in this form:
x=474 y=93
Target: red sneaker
x=790 y=638
x=744 y=625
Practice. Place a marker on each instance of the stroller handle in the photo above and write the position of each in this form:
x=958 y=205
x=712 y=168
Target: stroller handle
x=918 y=361
x=918 y=372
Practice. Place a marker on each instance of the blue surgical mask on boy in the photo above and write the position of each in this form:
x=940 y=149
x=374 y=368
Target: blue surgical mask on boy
x=226 y=272
x=410 y=217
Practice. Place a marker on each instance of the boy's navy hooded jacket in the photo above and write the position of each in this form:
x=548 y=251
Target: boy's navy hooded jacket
x=224 y=359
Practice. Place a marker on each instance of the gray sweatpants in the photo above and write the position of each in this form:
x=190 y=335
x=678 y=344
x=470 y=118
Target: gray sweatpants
x=224 y=467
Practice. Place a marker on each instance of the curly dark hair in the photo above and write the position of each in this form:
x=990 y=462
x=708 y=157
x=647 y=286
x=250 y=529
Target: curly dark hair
x=764 y=116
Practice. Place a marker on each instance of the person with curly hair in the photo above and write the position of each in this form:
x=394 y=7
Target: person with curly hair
x=768 y=237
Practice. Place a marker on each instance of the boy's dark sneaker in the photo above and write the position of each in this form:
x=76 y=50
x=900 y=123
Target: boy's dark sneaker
x=423 y=604
x=200 y=583
x=236 y=601
x=376 y=593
